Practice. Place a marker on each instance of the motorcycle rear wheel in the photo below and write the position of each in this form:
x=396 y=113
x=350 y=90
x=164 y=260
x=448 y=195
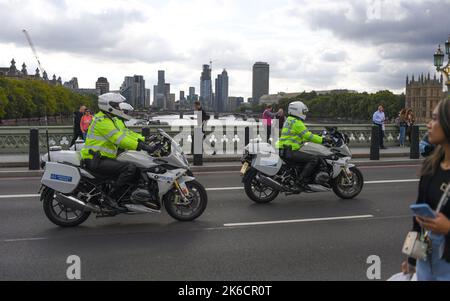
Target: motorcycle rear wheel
x=59 y=214
x=258 y=192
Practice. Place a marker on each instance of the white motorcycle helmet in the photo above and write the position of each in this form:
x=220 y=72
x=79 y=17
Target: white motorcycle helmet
x=298 y=109
x=113 y=103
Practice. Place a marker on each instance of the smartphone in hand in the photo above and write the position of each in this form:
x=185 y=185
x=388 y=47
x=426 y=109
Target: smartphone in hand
x=423 y=210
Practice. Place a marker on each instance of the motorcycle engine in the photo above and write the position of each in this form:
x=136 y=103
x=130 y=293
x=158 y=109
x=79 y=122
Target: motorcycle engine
x=141 y=196
x=322 y=178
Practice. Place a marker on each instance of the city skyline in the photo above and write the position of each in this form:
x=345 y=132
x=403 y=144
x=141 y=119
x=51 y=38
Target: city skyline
x=310 y=45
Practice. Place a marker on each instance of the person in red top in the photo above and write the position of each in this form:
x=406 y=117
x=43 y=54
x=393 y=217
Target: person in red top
x=85 y=123
x=267 y=117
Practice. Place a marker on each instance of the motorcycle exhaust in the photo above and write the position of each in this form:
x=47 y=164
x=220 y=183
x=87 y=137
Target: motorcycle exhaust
x=270 y=183
x=319 y=188
x=74 y=203
x=140 y=209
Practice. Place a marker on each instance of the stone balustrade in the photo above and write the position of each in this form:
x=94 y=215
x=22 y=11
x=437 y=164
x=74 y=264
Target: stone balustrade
x=15 y=139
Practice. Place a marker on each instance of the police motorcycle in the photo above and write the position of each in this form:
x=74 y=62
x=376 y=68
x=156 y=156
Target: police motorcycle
x=70 y=193
x=265 y=174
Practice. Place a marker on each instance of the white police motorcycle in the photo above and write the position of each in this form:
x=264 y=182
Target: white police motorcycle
x=70 y=193
x=265 y=174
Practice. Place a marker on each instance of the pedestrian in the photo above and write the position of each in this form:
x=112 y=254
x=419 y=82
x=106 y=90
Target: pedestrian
x=204 y=119
x=77 y=133
x=403 y=126
x=410 y=121
x=379 y=119
x=267 y=117
x=85 y=122
x=281 y=120
x=435 y=176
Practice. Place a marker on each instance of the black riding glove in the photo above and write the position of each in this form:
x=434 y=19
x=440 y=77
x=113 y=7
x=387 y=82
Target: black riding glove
x=327 y=141
x=148 y=148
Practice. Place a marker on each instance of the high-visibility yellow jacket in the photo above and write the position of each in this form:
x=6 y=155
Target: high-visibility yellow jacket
x=121 y=125
x=105 y=137
x=295 y=134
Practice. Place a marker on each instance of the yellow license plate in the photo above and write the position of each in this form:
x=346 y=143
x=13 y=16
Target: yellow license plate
x=244 y=168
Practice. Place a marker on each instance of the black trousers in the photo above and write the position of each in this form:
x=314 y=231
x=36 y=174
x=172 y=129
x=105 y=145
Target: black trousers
x=310 y=161
x=125 y=172
x=269 y=132
x=76 y=135
x=380 y=133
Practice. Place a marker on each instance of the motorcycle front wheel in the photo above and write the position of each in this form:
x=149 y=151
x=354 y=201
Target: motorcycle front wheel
x=183 y=211
x=348 y=188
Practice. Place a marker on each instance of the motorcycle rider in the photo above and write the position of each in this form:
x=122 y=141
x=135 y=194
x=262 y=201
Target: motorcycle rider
x=104 y=138
x=293 y=136
x=120 y=121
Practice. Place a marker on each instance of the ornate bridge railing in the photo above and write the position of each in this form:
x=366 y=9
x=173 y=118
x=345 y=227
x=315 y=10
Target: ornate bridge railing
x=228 y=139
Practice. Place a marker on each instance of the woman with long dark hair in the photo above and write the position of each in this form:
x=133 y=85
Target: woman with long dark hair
x=435 y=176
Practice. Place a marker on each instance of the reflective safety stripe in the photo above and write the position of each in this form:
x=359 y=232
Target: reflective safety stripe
x=102 y=149
x=303 y=133
x=98 y=138
x=123 y=136
x=110 y=134
x=292 y=140
x=310 y=136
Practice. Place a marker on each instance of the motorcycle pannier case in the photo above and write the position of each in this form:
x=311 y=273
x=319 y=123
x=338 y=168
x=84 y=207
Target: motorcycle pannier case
x=61 y=177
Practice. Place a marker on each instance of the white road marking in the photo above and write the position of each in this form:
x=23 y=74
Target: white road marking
x=11 y=196
x=224 y=188
x=25 y=239
x=309 y=220
x=392 y=181
x=19 y=196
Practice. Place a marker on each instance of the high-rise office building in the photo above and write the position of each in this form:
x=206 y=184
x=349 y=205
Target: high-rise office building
x=261 y=73
x=171 y=102
x=206 y=87
x=191 y=91
x=159 y=92
x=133 y=89
x=221 y=95
x=182 y=98
x=102 y=85
x=147 y=98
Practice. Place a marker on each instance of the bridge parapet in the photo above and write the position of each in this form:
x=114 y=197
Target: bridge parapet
x=15 y=139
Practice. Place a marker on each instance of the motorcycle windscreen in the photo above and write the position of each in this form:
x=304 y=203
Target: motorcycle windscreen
x=60 y=177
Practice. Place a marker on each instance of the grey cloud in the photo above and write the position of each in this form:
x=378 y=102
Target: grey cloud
x=425 y=23
x=369 y=67
x=395 y=79
x=408 y=53
x=335 y=56
x=93 y=35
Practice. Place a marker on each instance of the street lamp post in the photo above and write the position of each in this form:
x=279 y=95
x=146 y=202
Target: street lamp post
x=439 y=57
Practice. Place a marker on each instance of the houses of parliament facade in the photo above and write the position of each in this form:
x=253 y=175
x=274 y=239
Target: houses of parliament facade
x=13 y=72
x=423 y=94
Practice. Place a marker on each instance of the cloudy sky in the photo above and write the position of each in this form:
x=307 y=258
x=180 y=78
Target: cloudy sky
x=365 y=45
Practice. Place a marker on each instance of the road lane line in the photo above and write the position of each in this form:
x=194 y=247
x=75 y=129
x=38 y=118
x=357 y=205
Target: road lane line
x=10 y=196
x=25 y=239
x=392 y=181
x=224 y=188
x=309 y=220
x=19 y=196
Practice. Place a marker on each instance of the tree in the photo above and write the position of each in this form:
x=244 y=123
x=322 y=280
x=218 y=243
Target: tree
x=3 y=103
x=36 y=98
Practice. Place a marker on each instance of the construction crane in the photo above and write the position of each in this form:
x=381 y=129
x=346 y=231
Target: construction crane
x=33 y=49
